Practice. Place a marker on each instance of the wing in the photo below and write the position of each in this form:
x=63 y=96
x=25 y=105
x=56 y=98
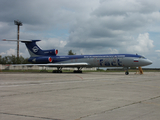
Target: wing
x=56 y=65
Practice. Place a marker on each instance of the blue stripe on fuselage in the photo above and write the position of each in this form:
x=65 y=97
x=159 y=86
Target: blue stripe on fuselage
x=70 y=57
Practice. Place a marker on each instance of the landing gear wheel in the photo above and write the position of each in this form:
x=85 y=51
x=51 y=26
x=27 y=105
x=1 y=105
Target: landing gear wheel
x=127 y=73
x=57 y=71
x=77 y=71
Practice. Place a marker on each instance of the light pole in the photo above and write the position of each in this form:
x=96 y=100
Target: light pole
x=18 y=23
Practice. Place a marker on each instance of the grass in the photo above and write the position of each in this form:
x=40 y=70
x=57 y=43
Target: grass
x=69 y=71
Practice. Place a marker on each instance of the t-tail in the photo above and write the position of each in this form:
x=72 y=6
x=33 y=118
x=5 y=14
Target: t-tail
x=34 y=50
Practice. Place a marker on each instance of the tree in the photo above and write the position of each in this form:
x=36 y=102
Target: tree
x=0 y=59
x=71 y=53
x=13 y=60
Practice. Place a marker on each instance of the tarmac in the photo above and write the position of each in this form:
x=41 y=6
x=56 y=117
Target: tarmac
x=86 y=96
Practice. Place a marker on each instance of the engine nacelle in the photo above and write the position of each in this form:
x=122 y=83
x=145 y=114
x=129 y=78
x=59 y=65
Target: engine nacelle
x=50 y=52
x=40 y=60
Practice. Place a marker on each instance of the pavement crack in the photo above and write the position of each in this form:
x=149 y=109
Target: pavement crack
x=36 y=92
x=30 y=116
x=119 y=107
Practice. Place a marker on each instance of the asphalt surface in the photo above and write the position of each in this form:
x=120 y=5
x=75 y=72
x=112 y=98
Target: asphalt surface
x=86 y=96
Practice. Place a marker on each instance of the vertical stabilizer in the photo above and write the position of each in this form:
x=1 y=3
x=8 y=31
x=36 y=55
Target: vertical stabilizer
x=35 y=51
x=33 y=48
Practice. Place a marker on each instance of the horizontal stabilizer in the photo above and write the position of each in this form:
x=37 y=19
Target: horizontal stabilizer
x=34 y=50
x=25 y=41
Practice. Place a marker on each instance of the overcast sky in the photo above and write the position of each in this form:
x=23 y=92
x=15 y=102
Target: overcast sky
x=84 y=26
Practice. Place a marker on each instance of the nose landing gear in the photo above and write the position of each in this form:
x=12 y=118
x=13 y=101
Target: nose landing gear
x=127 y=73
x=126 y=70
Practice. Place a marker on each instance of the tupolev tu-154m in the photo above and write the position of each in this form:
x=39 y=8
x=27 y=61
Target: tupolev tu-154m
x=49 y=58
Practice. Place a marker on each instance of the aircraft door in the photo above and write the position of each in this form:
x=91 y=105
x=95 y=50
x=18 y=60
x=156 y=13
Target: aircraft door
x=96 y=62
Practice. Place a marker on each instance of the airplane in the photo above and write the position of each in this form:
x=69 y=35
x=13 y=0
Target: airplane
x=50 y=58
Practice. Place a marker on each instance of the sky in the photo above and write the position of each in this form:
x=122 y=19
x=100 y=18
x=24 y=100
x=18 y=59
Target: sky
x=83 y=26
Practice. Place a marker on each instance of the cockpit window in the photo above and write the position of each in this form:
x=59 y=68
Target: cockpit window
x=142 y=57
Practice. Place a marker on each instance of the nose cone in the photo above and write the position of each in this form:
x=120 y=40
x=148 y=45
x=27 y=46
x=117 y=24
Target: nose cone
x=141 y=62
x=147 y=62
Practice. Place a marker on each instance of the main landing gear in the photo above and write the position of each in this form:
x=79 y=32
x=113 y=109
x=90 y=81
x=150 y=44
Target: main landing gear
x=59 y=70
x=79 y=70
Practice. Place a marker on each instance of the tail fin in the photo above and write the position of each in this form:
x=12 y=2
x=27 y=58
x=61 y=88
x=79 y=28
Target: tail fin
x=34 y=50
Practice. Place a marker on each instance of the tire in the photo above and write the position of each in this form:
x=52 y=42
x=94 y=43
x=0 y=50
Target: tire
x=127 y=73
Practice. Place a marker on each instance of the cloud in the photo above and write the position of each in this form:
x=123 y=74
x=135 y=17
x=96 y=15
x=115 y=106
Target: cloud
x=123 y=7
x=2 y=53
x=44 y=14
x=157 y=54
x=9 y=52
x=83 y=26
x=52 y=43
x=142 y=45
x=114 y=24
x=158 y=51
